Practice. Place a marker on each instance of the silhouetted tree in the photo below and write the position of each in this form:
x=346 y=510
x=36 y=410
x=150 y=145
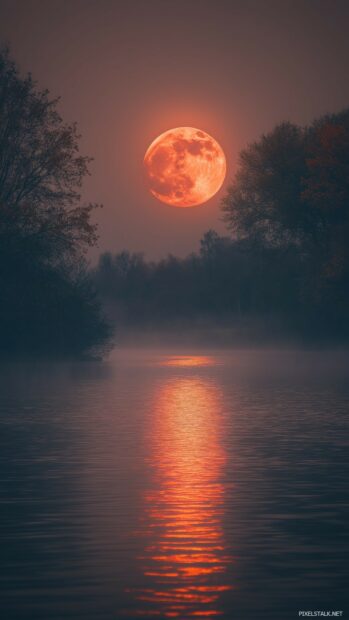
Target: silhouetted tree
x=265 y=200
x=44 y=227
x=292 y=191
x=41 y=170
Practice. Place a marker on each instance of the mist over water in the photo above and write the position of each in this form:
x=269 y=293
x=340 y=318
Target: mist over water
x=174 y=483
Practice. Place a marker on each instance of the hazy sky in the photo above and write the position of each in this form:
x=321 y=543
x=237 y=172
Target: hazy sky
x=129 y=70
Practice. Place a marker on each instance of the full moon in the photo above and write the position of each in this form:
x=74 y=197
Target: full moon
x=184 y=167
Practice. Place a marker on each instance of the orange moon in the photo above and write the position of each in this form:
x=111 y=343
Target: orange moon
x=184 y=167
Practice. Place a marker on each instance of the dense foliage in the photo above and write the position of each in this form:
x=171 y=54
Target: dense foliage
x=292 y=193
x=47 y=303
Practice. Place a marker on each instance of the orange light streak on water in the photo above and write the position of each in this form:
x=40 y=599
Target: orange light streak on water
x=185 y=562
x=188 y=361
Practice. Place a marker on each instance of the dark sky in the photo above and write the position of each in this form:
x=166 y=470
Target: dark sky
x=129 y=70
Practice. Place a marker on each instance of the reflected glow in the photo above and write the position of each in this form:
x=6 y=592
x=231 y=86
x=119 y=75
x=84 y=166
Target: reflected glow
x=185 y=560
x=189 y=361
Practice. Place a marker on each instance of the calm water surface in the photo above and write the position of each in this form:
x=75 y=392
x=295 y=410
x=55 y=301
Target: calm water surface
x=174 y=485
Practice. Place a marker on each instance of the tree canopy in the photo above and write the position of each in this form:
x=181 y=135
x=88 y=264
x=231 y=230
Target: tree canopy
x=292 y=190
x=292 y=186
x=45 y=229
x=41 y=170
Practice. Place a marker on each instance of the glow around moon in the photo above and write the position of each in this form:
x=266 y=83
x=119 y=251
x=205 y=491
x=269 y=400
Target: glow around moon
x=185 y=167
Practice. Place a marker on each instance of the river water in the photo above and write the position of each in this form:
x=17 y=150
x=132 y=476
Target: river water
x=170 y=484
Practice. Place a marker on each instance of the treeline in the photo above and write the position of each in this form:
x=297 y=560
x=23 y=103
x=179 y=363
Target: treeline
x=286 y=260
x=48 y=306
x=225 y=278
